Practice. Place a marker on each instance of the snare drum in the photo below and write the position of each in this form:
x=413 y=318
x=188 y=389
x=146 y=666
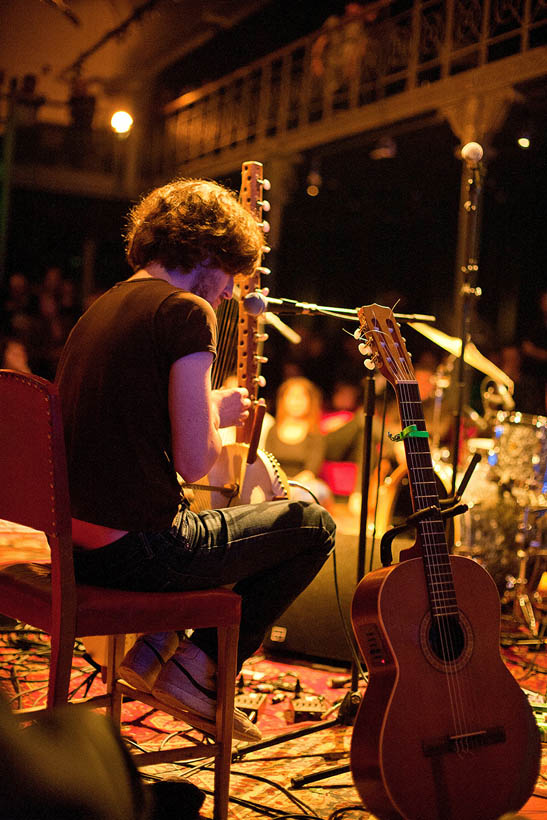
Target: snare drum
x=520 y=450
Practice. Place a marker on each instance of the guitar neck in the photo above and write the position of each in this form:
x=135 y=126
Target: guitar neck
x=424 y=494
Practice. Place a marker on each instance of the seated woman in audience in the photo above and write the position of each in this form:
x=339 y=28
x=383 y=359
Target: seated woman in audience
x=295 y=439
x=13 y=355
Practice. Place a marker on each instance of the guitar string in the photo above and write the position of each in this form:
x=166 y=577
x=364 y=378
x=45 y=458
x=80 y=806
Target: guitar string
x=227 y=347
x=435 y=565
x=226 y=331
x=454 y=678
x=404 y=372
x=227 y=313
x=426 y=529
x=462 y=677
x=440 y=572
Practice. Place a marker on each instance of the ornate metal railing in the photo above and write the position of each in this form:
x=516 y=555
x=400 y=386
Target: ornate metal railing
x=311 y=87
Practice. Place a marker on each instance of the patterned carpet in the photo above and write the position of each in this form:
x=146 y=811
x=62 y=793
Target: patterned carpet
x=263 y=780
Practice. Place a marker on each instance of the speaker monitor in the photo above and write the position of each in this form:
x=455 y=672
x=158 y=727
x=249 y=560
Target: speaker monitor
x=312 y=626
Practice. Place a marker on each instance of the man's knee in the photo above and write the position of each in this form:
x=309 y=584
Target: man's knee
x=323 y=521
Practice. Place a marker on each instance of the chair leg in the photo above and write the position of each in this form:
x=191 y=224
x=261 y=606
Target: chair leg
x=115 y=653
x=60 y=667
x=226 y=675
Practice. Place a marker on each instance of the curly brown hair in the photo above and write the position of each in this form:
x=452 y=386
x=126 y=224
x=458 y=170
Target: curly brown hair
x=190 y=222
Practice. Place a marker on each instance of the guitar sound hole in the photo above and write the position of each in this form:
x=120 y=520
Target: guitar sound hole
x=446 y=638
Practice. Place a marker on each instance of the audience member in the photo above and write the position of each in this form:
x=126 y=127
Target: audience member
x=49 y=333
x=36 y=320
x=295 y=439
x=13 y=355
x=527 y=394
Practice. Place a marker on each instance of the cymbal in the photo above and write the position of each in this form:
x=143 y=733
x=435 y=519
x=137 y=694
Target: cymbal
x=472 y=354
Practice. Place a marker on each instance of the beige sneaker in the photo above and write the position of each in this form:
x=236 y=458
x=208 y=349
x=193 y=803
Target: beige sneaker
x=188 y=681
x=146 y=658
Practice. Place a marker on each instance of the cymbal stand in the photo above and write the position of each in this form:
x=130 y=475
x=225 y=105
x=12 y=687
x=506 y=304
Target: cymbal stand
x=529 y=546
x=441 y=381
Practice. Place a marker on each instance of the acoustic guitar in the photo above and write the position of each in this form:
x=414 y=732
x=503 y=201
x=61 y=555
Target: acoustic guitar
x=242 y=474
x=444 y=732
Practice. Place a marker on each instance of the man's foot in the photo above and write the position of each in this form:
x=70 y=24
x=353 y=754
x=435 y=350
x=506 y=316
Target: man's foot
x=188 y=681
x=146 y=658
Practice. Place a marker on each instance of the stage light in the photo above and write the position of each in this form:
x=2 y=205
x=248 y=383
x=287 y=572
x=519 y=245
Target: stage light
x=121 y=122
x=524 y=141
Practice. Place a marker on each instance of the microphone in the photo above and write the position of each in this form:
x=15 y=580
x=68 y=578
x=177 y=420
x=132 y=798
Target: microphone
x=257 y=303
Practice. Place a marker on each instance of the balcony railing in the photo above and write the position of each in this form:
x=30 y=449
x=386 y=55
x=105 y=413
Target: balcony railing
x=340 y=69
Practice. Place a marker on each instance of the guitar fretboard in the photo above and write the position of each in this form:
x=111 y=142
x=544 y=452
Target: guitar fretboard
x=424 y=493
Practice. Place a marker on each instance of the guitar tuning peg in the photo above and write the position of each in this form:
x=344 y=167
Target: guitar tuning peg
x=364 y=349
x=261 y=337
x=265 y=225
x=264 y=204
x=266 y=184
x=369 y=364
x=262 y=271
x=357 y=333
x=266 y=249
x=260 y=380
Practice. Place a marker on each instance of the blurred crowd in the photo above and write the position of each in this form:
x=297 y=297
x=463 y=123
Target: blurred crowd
x=315 y=388
x=35 y=320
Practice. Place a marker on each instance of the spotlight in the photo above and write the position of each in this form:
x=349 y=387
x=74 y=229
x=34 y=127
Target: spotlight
x=121 y=122
x=524 y=141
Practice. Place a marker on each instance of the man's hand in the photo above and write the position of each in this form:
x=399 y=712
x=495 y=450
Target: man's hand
x=232 y=405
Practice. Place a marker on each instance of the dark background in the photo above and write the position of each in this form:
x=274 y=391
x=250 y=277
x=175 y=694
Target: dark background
x=380 y=229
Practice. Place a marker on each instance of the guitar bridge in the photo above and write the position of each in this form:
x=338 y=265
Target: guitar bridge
x=464 y=742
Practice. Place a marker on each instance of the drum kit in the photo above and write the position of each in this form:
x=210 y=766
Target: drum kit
x=505 y=528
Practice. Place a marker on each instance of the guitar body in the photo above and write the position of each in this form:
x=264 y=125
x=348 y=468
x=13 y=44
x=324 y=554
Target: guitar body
x=402 y=759
x=263 y=480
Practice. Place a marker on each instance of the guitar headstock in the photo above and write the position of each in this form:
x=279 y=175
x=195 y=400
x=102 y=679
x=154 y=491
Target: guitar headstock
x=382 y=344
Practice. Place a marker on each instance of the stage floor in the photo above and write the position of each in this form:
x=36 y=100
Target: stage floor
x=263 y=780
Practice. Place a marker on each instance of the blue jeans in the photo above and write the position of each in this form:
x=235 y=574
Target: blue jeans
x=270 y=552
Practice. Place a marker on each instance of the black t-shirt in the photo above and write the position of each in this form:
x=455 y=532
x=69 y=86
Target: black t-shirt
x=113 y=378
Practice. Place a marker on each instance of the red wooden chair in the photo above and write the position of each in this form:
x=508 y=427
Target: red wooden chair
x=34 y=493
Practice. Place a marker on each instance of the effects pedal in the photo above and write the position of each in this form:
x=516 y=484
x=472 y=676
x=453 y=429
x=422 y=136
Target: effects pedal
x=304 y=708
x=252 y=704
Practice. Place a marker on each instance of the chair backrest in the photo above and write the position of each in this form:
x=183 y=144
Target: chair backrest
x=33 y=471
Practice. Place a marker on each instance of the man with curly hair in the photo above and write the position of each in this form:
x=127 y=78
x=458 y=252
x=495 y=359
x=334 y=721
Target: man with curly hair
x=139 y=411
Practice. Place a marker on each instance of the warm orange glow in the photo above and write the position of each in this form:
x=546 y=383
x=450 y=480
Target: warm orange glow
x=121 y=122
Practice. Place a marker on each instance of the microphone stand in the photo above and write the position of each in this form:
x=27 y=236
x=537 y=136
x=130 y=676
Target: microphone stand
x=472 y=176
